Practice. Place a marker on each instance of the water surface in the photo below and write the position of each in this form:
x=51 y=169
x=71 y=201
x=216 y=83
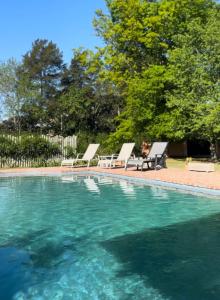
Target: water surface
x=97 y=238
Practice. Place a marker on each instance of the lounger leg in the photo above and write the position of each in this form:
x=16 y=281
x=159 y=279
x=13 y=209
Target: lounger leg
x=74 y=163
x=126 y=165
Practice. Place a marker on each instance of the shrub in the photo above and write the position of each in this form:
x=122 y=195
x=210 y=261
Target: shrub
x=86 y=138
x=70 y=152
x=8 y=147
x=32 y=147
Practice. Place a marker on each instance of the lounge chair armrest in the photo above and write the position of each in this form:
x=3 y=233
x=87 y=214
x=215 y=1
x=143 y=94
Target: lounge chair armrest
x=112 y=156
x=102 y=157
x=158 y=156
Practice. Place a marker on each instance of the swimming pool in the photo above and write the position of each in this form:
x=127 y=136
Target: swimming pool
x=84 y=237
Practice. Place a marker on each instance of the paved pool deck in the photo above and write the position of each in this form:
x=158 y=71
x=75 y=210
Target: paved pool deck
x=170 y=175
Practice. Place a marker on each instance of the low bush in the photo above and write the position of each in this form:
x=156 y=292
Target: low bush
x=8 y=147
x=86 y=138
x=70 y=152
x=32 y=147
x=27 y=147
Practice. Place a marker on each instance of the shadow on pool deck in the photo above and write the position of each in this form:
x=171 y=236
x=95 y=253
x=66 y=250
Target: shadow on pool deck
x=181 y=261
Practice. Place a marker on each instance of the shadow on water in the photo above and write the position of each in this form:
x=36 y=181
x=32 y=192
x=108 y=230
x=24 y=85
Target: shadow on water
x=181 y=261
x=12 y=273
x=24 y=256
x=26 y=239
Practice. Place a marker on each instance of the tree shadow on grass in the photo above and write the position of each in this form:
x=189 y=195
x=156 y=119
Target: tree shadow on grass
x=181 y=261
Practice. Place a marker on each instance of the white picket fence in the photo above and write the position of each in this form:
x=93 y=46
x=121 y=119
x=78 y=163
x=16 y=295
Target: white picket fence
x=63 y=142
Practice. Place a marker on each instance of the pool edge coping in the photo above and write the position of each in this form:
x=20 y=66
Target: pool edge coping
x=145 y=181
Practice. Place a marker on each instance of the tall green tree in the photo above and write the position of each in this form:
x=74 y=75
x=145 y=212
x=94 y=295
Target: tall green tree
x=42 y=70
x=139 y=33
x=10 y=93
x=86 y=103
x=194 y=70
x=141 y=41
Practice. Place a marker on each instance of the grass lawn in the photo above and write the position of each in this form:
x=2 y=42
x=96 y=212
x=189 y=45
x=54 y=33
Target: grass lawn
x=180 y=163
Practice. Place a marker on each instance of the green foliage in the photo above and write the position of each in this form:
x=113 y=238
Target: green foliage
x=27 y=147
x=87 y=103
x=85 y=138
x=40 y=77
x=8 y=148
x=139 y=33
x=32 y=147
x=10 y=93
x=194 y=72
x=70 y=152
x=145 y=101
x=43 y=65
x=163 y=56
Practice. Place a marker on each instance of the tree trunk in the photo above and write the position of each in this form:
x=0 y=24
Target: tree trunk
x=213 y=150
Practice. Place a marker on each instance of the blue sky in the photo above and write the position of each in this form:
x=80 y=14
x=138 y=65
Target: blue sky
x=68 y=23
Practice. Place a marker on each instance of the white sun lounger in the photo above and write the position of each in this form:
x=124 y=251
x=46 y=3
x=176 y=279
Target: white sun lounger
x=88 y=156
x=110 y=161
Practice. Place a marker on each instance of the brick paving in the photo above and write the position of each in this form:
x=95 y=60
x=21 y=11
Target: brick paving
x=173 y=175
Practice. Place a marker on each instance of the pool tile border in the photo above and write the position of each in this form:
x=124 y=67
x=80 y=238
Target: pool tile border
x=158 y=183
x=148 y=182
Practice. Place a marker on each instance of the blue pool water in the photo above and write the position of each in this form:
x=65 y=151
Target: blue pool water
x=99 y=238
